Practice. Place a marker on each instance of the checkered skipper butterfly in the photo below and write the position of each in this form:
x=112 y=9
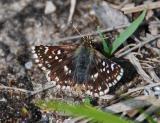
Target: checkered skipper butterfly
x=78 y=67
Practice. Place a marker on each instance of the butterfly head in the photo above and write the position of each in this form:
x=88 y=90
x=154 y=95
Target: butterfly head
x=87 y=41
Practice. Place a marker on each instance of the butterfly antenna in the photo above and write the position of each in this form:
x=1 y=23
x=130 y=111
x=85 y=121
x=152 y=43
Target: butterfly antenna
x=75 y=28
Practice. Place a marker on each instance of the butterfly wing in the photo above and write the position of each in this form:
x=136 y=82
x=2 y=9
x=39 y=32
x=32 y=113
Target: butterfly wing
x=57 y=61
x=48 y=57
x=104 y=73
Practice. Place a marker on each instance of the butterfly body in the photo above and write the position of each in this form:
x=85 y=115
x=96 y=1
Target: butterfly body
x=82 y=61
x=72 y=66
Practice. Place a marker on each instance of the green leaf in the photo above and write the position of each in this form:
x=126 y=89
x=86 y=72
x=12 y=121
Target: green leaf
x=105 y=43
x=82 y=110
x=127 y=33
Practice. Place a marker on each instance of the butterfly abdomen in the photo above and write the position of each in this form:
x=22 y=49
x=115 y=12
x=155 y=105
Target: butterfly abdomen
x=82 y=62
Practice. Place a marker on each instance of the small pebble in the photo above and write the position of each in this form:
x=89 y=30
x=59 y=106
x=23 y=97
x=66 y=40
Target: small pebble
x=156 y=88
x=158 y=43
x=49 y=7
x=2 y=54
x=3 y=100
x=28 y=65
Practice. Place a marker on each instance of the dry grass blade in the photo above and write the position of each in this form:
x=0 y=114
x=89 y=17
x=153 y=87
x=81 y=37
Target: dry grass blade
x=153 y=75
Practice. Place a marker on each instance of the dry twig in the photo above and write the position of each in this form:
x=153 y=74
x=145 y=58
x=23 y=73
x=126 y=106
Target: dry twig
x=152 y=5
x=146 y=113
x=153 y=75
x=72 y=9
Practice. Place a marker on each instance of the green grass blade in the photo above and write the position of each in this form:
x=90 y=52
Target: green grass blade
x=127 y=33
x=81 y=110
x=106 y=47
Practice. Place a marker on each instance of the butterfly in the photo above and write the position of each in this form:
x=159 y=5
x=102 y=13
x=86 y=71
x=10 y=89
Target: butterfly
x=79 y=68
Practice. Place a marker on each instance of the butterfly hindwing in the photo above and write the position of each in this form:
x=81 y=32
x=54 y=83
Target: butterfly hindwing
x=104 y=73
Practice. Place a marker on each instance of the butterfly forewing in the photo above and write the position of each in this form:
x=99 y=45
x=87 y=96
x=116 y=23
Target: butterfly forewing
x=57 y=62
x=49 y=57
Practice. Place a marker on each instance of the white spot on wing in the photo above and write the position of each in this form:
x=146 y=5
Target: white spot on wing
x=46 y=62
x=109 y=84
x=69 y=71
x=60 y=60
x=58 y=52
x=121 y=73
x=103 y=63
x=107 y=71
x=106 y=91
x=65 y=68
x=99 y=88
x=118 y=77
x=50 y=57
x=56 y=57
x=115 y=81
x=96 y=75
x=40 y=65
x=37 y=60
x=57 y=79
x=112 y=66
x=33 y=49
x=46 y=50
x=101 y=93
x=43 y=68
x=104 y=69
x=49 y=65
x=92 y=76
